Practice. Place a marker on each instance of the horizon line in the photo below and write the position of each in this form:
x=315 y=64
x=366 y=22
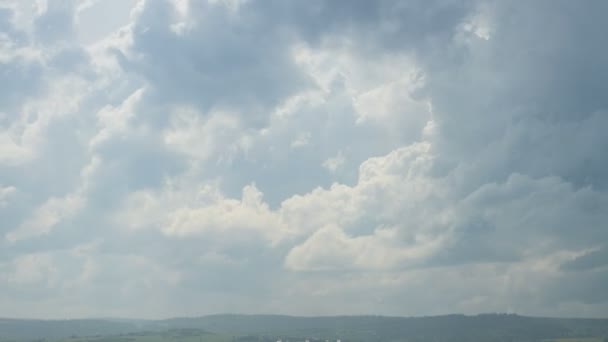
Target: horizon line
x=110 y=318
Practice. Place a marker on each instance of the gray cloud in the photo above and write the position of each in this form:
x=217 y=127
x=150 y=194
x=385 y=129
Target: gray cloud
x=217 y=58
x=589 y=261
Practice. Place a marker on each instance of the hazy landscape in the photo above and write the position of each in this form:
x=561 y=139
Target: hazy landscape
x=321 y=170
x=220 y=328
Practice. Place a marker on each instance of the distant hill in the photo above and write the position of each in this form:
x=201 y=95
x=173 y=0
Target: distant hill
x=487 y=327
x=20 y=329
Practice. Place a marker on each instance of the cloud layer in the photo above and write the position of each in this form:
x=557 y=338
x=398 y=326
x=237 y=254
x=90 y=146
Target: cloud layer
x=320 y=157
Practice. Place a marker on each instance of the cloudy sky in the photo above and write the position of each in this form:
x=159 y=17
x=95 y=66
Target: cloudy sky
x=174 y=157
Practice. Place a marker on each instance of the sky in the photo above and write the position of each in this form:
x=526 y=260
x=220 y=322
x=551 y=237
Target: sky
x=168 y=158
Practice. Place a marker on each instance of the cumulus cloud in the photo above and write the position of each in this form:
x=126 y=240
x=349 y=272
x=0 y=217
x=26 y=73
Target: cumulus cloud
x=333 y=164
x=203 y=211
x=5 y=193
x=46 y=217
x=330 y=249
x=338 y=156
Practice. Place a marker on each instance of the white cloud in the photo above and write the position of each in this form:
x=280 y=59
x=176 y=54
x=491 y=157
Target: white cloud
x=335 y=163
x=220 y=135
x=43 y=219
x=229 y=217
x=388 y=186
x=33 y=269
x=115 y=120
x=330 y=249
x=54 y=210
x=6 y=193
x=204 y=211
x=95 y=20
x=10 y=152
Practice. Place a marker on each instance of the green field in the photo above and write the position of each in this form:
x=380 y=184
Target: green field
x=190 y=335
x=193 y=335
x=270 y=328
x=582 y=339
